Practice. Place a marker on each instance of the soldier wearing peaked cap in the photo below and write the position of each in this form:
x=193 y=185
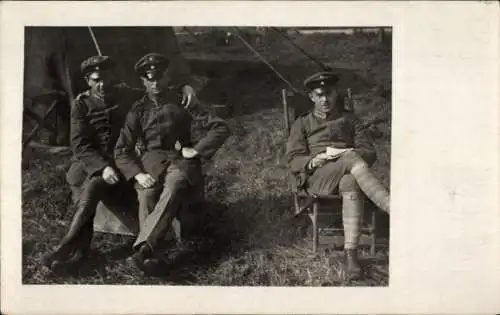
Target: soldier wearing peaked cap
x=96 y=118
x=155 y=63
x=321 y=79
x=96 y=64
x=330 y=151
x=151 y=63
x=167 y=174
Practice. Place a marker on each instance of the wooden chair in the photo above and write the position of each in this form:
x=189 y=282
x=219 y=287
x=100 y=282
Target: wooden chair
x=294 y=105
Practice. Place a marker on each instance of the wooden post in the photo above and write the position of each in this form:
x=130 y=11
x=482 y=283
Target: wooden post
x=315 y=226
x=350 y=101
x=373 y=235
x=70 y=97
x=285 y=111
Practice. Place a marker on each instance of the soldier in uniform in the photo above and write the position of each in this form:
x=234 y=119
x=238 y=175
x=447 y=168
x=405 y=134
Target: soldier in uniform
x=168 y=171
x=345 y=169
x=96 y=118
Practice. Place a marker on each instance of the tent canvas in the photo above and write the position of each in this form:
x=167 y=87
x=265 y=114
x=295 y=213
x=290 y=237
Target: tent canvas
x=49 y=49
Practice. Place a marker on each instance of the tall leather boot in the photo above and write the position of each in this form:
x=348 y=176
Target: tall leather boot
x=76 y=243
x=82 y=246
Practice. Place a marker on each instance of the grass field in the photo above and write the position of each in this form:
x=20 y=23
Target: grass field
x=247 y=235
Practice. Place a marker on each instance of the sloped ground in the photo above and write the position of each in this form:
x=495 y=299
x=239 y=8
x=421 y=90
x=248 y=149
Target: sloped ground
x=246 y=235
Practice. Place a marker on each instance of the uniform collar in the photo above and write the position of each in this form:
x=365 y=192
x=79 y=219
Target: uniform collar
x=319 y=114
x=323 y=116
x=106 y=98
x=99 y=97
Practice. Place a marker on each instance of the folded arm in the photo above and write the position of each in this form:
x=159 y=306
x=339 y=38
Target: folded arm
x=217 y=131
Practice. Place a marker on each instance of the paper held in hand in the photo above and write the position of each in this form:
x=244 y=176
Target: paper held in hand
x=334 y=153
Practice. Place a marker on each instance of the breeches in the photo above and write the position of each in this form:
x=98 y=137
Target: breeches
x=350 y=175
x=95 y=189
x=328 y=179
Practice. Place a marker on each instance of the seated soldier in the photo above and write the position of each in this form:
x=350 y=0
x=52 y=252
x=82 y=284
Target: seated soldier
x=168 y=172
x=329 y=151
x=96 y=118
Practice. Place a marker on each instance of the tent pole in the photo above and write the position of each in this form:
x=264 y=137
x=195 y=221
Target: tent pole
x=94 y=39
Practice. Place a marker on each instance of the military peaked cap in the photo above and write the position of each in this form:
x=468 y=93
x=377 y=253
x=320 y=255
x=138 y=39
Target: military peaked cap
x=151 y=63
x=96 y=63
x=321 y=79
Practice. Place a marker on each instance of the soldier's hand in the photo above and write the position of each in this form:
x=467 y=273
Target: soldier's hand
x=145 y=180
x=189 y=153
x=319 y=160
x=109 y=175
x=188 y=96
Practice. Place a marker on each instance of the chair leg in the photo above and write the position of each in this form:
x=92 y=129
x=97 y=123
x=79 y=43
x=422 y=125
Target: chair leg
x=296 y=203
x=315 y=226
x=373 y=234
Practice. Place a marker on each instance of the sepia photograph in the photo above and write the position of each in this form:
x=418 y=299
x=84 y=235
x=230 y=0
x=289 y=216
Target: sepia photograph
x=243 y=157
x=207 y=156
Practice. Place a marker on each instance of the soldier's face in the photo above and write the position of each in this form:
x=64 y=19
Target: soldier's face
x=155 y=82
x=324 y=98
x=100 y=82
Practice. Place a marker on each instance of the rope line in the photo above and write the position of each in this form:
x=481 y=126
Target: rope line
x=94 y=39
x=237 y=33
x=312 y=58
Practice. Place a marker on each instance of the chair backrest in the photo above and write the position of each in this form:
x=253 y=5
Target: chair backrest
x=294 y=105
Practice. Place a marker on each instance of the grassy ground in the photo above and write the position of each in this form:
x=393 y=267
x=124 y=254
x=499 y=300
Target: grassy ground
x=247 y=235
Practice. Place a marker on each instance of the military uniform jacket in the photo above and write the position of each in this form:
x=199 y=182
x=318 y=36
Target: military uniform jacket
x=311 y=134
x=157 y=126
x=95 y=127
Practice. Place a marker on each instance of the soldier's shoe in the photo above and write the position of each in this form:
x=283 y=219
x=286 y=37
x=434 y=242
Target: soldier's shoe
x=79 y=256
x=144 y=252
x=154 y=266
x=60 y=253
x=352 y=268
